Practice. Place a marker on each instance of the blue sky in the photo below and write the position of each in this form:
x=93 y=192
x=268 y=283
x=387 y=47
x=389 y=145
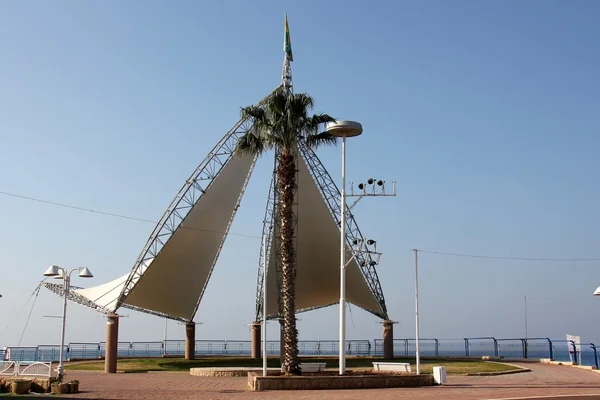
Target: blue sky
x=486 y=113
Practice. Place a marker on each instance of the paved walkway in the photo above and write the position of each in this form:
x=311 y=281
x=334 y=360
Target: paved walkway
x=544 y=380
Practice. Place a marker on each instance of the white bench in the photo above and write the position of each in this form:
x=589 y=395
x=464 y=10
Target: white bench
x=312 y=367
x=391 y=366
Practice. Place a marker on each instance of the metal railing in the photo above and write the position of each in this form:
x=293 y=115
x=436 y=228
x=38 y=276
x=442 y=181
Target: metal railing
x=25 y=368
x=561 y=350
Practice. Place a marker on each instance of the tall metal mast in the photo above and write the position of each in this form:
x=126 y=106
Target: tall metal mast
x=286 y=72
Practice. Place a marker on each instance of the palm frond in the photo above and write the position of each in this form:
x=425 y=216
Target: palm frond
x=317 y=121
x=280 y=120
x=277 y=103
x=301 y=103
x=254 y=112
x=322 y=119
x=251 y=143
x=321 y=139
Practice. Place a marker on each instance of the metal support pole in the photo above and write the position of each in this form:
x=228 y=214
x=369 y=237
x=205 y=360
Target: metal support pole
x=342 y=346
x=525 y=317
x=526 y=344
x=265 y=264
x=165 y=342
x=418 y=355
x=66 y=287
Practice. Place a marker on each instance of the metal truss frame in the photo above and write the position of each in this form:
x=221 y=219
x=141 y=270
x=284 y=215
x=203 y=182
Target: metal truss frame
x=191 y=191
x=58 y=289
x=271 y=221
x=331 y=195
x=266 y=242
x=286 y=74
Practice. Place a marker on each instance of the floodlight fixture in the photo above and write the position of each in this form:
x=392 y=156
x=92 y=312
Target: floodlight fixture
x=53 y=270
x=371 y=242
x=61 y=274
x=85 y=273
x=380 y=183
x=361 y=186
x=371 y=181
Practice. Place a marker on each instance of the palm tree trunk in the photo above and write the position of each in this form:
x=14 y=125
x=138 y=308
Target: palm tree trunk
x=286 y=174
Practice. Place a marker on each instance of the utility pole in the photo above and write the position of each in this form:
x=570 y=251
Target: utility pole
x=526 y=335
x=417 y=353
x=525 y=317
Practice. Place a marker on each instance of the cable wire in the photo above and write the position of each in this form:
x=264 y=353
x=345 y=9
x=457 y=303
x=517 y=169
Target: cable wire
x=123 y=216
x=109 y=214
x=37 y=292
x=506 y=258
x=19 y=312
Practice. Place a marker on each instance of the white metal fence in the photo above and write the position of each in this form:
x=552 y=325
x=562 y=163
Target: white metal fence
x=25 y=368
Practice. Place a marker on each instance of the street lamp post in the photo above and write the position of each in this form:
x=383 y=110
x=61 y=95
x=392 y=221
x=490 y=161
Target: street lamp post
x=61 y=273
x=417 y=345
x=343 y=129
x=346 y=129
x=264 y=310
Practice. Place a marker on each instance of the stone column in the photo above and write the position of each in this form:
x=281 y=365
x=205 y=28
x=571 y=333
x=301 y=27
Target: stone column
x=256 y=344
x=190 y=340
x=112 y=340
x=388 y=339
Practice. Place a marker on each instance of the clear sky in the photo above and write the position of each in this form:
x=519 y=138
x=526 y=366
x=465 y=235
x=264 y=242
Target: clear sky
x=486 y=113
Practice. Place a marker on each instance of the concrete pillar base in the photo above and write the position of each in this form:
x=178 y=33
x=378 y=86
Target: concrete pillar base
x=112 y=340
x=190 y=340
x=256 y=345
x=388 y=339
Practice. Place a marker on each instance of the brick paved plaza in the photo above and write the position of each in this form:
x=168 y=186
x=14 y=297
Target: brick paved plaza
x=544 y=380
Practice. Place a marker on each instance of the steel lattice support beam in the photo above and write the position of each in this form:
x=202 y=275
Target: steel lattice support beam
x=57 y=288
x=186 y=198
x=267 y=240
x=331 y=195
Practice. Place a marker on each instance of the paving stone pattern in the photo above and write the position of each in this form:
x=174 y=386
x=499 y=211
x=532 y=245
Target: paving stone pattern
x=544 y=380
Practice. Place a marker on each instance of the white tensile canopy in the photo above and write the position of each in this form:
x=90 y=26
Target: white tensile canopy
x=173 y=281
x=318 y=256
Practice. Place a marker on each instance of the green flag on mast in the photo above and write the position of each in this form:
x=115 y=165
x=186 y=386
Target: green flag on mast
x=287 y=42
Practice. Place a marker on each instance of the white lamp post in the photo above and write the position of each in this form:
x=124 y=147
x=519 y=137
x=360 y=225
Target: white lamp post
x=264 y=325
x=417 y=346
x=343 y=129
x=346 y=129
x=61 y=273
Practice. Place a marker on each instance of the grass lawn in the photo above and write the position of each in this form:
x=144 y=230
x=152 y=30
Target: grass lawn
x=179 y=364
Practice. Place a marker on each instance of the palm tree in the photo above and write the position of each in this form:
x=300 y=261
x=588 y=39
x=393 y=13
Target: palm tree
x=278 y=123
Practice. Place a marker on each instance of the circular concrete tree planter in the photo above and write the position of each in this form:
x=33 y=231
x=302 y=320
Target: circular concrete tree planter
x=60 y=388
x=74 y=387
x=331 y=380
x=20 y=386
